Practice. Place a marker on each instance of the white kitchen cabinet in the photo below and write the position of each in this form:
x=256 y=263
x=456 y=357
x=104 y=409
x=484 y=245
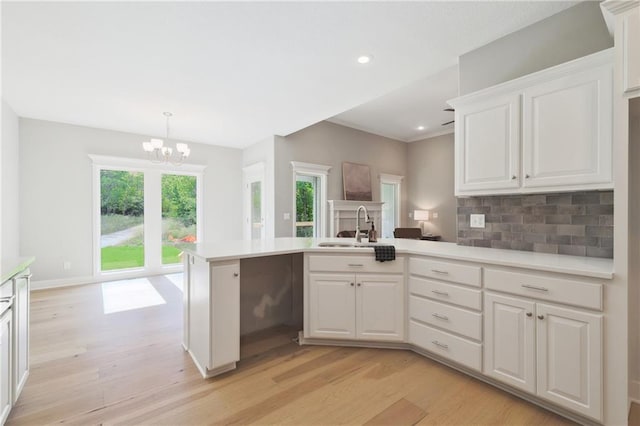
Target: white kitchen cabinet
x=631 y=49
x=546 y=132
x=214 y=314
x=488 y=145
x=6 y=332
x=567 y=132
x=544 y=349
x=21 y=333
x=356 y=306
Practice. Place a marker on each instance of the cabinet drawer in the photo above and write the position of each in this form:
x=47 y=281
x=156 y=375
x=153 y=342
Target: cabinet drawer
x=457 y=320
x=447 y=271
x=446 y=345
x=354 y=264
x=559 y=290
x=444 y=292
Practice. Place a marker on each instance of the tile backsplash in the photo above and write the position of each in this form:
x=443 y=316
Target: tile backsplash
x=577 y=223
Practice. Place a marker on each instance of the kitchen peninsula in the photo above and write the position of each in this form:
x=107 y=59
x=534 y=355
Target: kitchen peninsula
x=530 y=323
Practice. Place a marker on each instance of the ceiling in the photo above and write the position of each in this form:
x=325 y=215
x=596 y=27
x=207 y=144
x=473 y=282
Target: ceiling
x=234 y=73
x=411 y=113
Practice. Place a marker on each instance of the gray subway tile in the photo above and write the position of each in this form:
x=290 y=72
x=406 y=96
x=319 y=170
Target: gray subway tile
x=542 y=228
x=545 y=210
x=511 y=218
x=586 y=198
x=534 y=238
x=501 y=244
x=534 y=200
x=599 y=209
x=482 y=243
x=491 y=201
x=529 y=218
x=605 y=220
x=600 y=231
x=585 y=241
x=492 y=218
x=557 y=219
x=492 y=236
x=606 y=197
x=572 y=209
x=606 y=242
x=572 y=250
x=512 y=201
x=584 y=220
x=521 y=245
x=558 y=199
x=501 y=227
x=545 y=248
x=600 y=252
x=559 y=239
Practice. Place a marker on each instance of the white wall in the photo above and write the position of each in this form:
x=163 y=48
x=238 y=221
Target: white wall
x=264 y=152
x=430 y=177
x=332 y=144
x=56 y=188
x=570 y=34
x=9 y=158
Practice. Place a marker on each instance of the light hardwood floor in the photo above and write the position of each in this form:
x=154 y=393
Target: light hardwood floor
x=129 y=368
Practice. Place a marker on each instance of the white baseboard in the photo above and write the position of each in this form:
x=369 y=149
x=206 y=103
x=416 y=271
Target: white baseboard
x=634 y=391
x=73 y=281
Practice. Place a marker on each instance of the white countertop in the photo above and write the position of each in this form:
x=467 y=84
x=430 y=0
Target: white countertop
x=574 y=265
x=12 y=266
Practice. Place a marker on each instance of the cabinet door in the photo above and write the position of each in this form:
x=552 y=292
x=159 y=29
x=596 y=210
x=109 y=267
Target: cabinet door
x=332 y=302
x=509 y=341
x=225 y=313
x=570 y=359
x=6 y=400
x=21 y=334
x=631 y=50
x=488 y=146
x=567 y=132
x=380 y=307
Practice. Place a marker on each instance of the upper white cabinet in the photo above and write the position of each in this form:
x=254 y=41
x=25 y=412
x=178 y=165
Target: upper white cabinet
x=627 y=40
x=547 y=132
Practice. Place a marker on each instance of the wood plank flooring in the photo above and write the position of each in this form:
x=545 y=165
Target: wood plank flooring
x=129 y=368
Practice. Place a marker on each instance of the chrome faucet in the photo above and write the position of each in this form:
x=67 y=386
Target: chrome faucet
x=366 y=218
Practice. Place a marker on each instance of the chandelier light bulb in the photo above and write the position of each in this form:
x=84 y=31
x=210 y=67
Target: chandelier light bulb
x=158 y=153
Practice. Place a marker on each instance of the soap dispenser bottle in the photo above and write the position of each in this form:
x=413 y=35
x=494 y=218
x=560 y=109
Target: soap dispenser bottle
x=373 y=235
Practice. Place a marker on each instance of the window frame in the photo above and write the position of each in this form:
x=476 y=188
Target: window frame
x=152 y=212
x=321 y=172
x=395 y=180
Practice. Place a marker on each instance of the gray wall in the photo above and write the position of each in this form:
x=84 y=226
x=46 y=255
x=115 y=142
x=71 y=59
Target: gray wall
x=56 y=183
x=570 y=34
x=9 y=178
x=430 y=165
x=331 y=144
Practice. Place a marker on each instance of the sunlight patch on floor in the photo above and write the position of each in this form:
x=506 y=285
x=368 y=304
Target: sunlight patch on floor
x=125 y=295
x=177 y=279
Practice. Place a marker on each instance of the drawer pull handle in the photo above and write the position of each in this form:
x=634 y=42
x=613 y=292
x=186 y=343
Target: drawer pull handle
x=532 y=287
x=6 y=299
x=529 y=314
x=541 y=317
x=442 y=345
x=440 y=293
x=356 y=264
x=442 y=317
x=439 y=271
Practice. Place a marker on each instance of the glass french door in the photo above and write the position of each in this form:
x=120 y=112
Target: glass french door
x=179 y=215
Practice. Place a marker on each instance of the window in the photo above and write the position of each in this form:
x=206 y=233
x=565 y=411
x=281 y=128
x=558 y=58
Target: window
x=390 y=196
x=309 y=199
x=254 y=201
x=144 y=214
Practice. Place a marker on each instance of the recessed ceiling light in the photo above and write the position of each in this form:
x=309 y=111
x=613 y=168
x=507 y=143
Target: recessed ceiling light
x=420 y=127
x=364 y=59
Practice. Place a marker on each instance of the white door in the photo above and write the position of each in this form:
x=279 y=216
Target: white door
x=509 y=341
x=488 y=146
x=570 y=359
x=5 y=365
x=254 y=202
x=332 y=302
x=380 y=307
x=567 y=131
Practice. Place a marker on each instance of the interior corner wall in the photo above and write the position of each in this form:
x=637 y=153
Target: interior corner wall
x=264 y=152
x=56 y=180
x=570 y=34
x=430 y=165
x=9 y=157
x=331 y=144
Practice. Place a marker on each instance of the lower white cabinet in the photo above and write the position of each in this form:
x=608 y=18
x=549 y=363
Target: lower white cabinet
x=356 y=306
x=551 y=351
x=21 y=333
x=6 y=332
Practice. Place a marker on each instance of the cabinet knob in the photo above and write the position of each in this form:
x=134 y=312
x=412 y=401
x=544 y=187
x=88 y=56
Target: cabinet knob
x=541 y=317
x=529 y=314
x=527 y=176
x=513 y=177
x=351 y=284
x=359 y=284
x=235 y=274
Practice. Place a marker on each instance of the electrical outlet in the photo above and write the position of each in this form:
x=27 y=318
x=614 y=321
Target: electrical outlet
x=410 y=215
x=435 y=215
x=286 y=216
x=477 y=221
x=66 y=265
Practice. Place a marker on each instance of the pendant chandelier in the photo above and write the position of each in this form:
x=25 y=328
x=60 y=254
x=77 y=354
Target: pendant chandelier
x=158 y=153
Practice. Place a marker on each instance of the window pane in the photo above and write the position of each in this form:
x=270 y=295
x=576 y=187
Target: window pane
x=121 y=220
x=306 y=206
x=178 y=216
x=256 y=210
x=388 y=197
